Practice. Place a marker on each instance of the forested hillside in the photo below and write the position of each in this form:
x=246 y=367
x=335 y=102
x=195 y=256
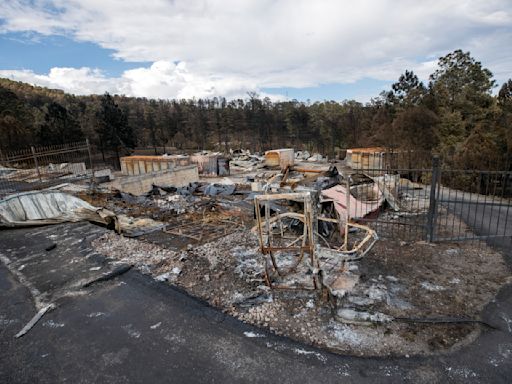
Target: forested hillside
x=455 y=114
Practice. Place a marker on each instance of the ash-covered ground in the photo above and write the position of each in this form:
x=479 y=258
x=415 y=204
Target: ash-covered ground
x=446 y=285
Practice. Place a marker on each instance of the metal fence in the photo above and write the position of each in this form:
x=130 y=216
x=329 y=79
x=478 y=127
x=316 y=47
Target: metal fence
x=435 y=203
x=42 y=167
x=473 y=205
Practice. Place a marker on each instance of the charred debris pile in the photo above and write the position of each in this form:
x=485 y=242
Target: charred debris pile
x=278 y=240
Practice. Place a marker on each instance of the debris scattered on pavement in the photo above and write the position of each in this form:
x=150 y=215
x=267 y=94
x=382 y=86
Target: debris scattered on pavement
x=284 y=243
x=34 y=320
x=118 y=271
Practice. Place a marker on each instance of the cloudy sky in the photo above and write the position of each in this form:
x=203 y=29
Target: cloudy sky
x=314 y=49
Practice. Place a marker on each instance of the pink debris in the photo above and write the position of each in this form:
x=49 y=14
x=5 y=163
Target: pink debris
x=358 y=208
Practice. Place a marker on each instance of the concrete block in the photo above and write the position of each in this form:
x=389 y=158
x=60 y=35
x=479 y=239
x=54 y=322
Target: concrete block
x=139 y=165
x=282 y=158
x=103 y=175
x=142 y=184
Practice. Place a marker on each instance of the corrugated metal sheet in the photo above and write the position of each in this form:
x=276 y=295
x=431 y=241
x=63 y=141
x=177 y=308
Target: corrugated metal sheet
x=49 y=207
x=223 y=165
x=206 y=164
x=52 y=207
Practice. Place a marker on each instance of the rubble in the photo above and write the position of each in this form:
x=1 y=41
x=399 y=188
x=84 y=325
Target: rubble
x=315 y=157
x=45 y=173
x=142 y=183
x=134 y=227
x=73 y=168
x=211 y=164
x=351 y=316
x=49 y=207
x=309 y=269
x=217 y=189
x=68 y=187
x=103 y=175
x=4 y=171
x=229 y=272
x=52 y=207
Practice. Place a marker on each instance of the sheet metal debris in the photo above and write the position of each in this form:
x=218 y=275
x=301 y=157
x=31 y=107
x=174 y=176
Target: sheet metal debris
x=356 y=208
x=50 y=207
x=53 y=207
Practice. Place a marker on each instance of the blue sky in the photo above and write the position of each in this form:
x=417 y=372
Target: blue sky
x=361 y=90
x=40 y=53
x=284 y=49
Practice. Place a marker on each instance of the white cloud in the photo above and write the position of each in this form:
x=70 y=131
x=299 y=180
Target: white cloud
x=162 y=79
x=84 y=80
x=72 y=80
x=228 y=47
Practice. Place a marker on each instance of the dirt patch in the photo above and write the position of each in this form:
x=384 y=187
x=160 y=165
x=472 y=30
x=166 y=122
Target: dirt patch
x=400 y=280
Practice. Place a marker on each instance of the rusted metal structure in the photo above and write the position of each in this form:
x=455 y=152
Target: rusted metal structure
x=305 y=249
x=278 y=241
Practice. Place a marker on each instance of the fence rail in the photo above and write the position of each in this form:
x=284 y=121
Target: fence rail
x=435 y=204
x=41 y=167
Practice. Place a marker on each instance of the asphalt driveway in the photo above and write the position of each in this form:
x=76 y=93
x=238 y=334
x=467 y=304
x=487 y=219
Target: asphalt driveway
x=131 y=329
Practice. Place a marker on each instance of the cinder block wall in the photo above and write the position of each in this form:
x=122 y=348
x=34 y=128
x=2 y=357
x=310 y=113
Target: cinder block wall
x=139 y=165
x=142 y=184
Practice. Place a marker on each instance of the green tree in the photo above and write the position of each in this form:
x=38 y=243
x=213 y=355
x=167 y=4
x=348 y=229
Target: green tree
x=113 y=129
x=504 y=123
x=461 y=88
x=408 y=90
x=59 y=126
x=415 y=128
x=15 y=121
x=505 y=95
x=461 y=83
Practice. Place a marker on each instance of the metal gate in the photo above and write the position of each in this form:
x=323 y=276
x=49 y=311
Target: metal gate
x=472 y=205
x=436 y=203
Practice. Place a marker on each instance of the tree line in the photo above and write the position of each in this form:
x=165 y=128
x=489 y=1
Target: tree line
x=455 y=114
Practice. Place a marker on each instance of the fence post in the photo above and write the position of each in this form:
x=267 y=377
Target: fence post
x=35 y=162
x=90 y=161
x=347 y=219
x=432 y=208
